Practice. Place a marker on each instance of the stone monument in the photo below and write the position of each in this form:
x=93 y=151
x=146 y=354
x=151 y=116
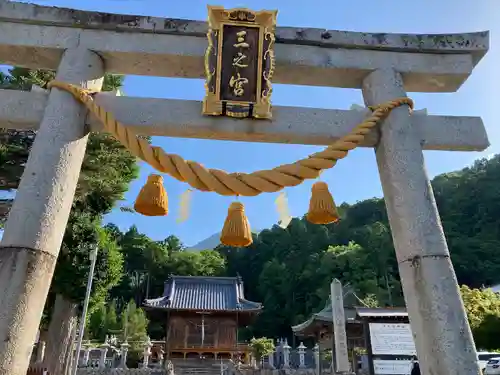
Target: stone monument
x=341 y=357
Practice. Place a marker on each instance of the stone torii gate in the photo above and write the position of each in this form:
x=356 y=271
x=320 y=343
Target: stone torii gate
x=81 y=46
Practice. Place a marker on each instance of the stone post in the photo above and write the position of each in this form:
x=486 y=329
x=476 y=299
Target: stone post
x=147 y=352
x=316 y=358
x=286 y=354
x=341 y=356
x=161 y=355
x=102 y=359
x=442 y=334
x=170 y=367
x=36 y=223
x=86 y=357
x=302 y=355
x=253 y=361
x=270 y=360
x=40 y=351
x=124 y=351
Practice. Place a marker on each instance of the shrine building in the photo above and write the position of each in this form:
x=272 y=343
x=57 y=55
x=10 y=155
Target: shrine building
x=357 y=319
x=202 y=315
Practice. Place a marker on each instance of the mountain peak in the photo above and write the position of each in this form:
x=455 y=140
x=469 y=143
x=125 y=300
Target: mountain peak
x=211 y=242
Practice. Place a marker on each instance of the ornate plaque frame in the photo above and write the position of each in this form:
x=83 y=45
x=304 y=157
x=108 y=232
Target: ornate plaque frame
x=246 y=97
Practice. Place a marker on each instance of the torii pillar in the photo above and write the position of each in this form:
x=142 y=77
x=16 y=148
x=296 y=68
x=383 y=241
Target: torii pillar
x=35 y=227
x=438 y=320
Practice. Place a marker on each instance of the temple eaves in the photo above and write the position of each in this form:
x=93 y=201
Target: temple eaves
x=203 y=294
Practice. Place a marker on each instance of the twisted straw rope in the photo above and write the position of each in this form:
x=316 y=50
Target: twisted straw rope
x=233 y=184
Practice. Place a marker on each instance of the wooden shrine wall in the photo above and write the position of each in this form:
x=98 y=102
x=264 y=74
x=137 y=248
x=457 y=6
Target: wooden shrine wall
x=187 y=332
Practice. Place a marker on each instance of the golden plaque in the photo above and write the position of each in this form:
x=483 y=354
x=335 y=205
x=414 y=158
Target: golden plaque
x=239 y=62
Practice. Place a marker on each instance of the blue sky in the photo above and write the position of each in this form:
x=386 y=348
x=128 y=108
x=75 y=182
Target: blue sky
x=354 y=178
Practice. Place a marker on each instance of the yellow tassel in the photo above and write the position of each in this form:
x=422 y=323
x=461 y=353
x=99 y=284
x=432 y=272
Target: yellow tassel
x=152 y=199
x=322 y=208
x=284 y=213
x=184 y=206
x=236 y=231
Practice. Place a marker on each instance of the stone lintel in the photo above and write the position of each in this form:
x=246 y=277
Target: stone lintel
x=292 y=125
x=475 y=43
x=35 y=36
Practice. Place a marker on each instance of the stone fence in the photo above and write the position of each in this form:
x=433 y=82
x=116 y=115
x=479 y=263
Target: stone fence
x=113 y=356
x=118 y=371
x=284 y=357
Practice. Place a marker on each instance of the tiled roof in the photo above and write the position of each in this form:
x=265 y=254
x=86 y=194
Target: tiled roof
x=203 y=294
x=351 y=315
x=389 y=312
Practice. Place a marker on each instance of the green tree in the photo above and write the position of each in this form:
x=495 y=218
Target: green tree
x=96 y=324
x=134 y=331
x=203 y=263
x=112 y=323
x=483 y=312
x=143 y=258
x=102 y=149
x=261 y=347
x=370 y=300
x=488 y=333
x=103 y=322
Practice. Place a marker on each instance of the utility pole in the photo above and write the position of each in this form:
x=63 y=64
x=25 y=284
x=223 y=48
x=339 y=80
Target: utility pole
x=81 y=330
x=389 y=288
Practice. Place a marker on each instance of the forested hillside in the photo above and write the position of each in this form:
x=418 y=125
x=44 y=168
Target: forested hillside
x=290 y=270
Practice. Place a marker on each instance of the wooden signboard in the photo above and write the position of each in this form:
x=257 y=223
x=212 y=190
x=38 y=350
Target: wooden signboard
x=239 y=62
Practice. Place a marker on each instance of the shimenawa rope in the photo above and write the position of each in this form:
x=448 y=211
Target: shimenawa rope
x=153 y=200
x=233 y=184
